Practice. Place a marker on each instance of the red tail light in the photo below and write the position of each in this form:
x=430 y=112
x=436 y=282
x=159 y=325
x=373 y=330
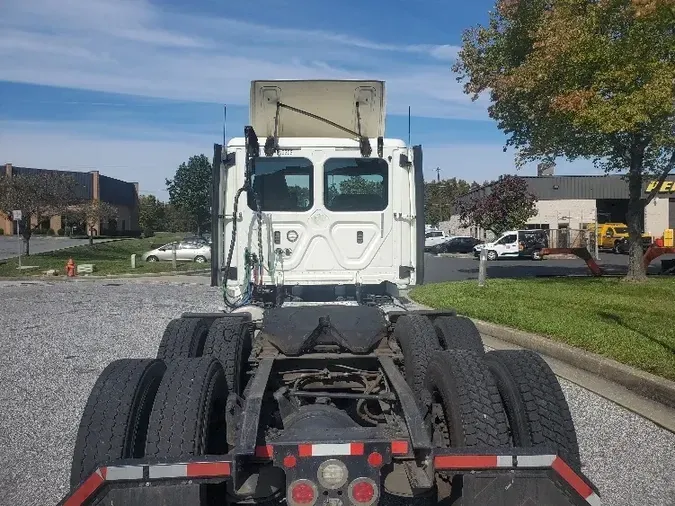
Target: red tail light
x=363 y=491
x=302 y=493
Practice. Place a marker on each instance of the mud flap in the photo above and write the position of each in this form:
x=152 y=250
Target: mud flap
x=175 y=494
x=515 y=488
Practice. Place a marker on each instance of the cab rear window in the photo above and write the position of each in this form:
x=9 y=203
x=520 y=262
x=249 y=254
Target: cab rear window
x=283 y=184
x=356 y=184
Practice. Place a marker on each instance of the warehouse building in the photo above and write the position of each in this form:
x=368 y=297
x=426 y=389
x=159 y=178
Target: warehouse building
x=574 y=202
x=90 y=186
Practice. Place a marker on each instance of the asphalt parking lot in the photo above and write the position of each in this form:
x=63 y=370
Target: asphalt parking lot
x=59 y=336
x=447 y=268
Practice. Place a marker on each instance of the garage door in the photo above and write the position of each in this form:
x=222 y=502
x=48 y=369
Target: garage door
x=671 y=213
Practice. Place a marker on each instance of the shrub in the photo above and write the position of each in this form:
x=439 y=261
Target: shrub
x=2 y=231
x=60 y=232
x=51 y=232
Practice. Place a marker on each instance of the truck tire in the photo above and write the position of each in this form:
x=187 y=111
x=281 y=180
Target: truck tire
x=229 y=340
x=113 y=425
x=188 y=415
x=535 y=405
x=417 y=338
x=466 y=410
x=460 y=383
x=458 y=333
x=183 y=337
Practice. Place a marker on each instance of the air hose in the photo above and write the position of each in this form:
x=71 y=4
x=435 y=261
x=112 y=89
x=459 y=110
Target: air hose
x=249 y=263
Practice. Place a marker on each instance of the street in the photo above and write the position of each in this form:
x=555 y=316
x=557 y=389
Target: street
x=60 y=336
x=9 y=245
x=440 y=268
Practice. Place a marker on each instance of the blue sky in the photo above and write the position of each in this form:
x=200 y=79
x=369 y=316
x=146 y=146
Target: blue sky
x=134 y=87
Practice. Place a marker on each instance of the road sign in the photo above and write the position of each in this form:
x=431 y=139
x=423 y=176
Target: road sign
x=16 y=215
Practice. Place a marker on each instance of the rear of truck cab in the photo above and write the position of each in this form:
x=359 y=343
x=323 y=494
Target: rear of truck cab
x=331 y=216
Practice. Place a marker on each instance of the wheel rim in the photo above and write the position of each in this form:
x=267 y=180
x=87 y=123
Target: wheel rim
x=491 y=255
x=200 y=260
x=152 y=259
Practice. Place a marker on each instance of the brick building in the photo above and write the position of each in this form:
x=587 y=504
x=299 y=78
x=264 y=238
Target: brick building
x=90 y=186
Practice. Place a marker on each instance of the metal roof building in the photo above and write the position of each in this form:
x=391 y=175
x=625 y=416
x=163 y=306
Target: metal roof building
x=573 y=202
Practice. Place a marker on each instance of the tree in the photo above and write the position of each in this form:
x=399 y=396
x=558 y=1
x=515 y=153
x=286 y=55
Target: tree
x=581 y=79
x=190 y=191
x=93 y=213
x=152 y=215
x=175 y=220
x=440 y=197
x=38 y=195
x=505 y=205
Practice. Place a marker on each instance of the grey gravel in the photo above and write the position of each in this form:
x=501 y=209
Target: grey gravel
x=57 y=337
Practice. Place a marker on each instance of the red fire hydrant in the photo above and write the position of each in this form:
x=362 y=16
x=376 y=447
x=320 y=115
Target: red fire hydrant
x=70 y=268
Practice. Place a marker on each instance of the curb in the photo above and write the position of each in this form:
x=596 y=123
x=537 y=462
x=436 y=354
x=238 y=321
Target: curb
x=643 y=383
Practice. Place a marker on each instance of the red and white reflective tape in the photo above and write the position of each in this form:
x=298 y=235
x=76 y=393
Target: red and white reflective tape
x=329 y=449
x=458 y=462
x=191 y=470
x=491 y=461
x=575 y=481
x=89 y=486
x=343 y=449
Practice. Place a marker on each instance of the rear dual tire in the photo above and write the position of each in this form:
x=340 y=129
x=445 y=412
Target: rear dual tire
x=115 y=418
x=535 y=405
x=188 y=414
x=144 y=408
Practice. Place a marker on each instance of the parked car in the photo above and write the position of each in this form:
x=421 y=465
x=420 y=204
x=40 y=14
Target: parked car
x=456 y=244
x=434 y=237
x=516 y=244
x=186 y=251
x=622 y=246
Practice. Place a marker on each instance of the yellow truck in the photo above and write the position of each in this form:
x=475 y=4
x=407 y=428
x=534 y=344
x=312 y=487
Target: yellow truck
x=611 y=235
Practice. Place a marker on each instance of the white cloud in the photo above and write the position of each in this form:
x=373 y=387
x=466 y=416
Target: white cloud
x=155 y=154
x=135 y=47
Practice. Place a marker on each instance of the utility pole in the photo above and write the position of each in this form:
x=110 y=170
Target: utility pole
x=438 y=174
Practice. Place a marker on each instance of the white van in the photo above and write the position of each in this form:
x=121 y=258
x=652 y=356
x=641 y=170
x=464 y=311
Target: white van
x=515 y=244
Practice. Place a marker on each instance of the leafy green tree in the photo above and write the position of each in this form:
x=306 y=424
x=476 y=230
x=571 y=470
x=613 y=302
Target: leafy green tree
x=505 y=205
x=152 y=215
x=190 y=191
x=440 y=197
x=38 y=195
x=582 y=79
x=175 y=220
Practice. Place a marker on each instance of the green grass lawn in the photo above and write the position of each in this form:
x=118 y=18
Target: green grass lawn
x=108 y=258
x=628 y=322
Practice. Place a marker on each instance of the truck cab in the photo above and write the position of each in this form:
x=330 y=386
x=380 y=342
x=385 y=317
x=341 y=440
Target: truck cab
x=323 y=210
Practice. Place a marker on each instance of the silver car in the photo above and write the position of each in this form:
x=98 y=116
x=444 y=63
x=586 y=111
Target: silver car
x=185 y=252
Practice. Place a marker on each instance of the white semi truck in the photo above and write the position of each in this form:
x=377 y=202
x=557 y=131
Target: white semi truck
x=315 y=386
